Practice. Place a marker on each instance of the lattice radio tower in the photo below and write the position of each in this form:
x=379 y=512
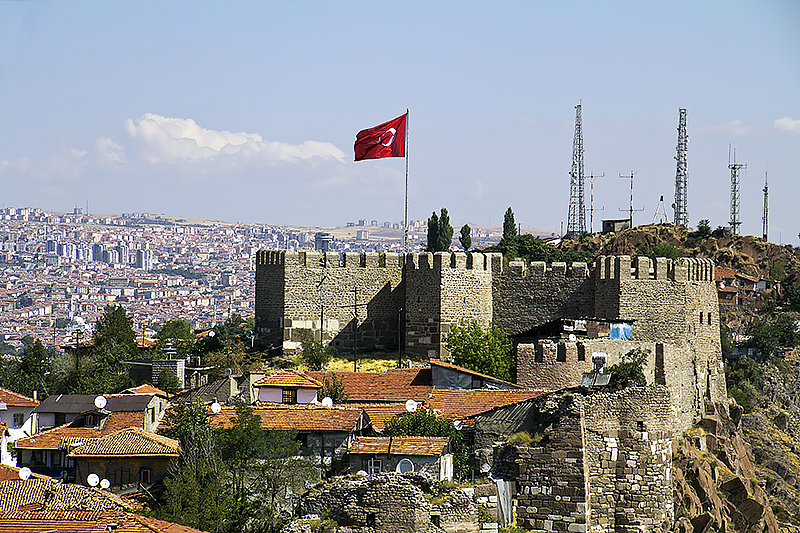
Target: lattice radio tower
x=765 y=214
x=735 y=171
x=681 y=173
x=576 y=222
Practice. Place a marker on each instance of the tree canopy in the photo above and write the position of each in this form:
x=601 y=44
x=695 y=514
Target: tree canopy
x=487 y=351
x=114 y=329
x=509 y=225
x=424 y=423
x=440 y=232
x=465 y=239
x=179 y=334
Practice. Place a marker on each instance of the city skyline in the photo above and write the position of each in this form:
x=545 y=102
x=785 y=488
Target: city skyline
x=248 y=112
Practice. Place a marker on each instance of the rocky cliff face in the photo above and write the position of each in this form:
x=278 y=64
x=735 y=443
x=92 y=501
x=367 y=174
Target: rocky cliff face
x=715 y=484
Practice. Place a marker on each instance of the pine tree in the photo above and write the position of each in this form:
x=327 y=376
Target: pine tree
x=465 y=239
x=445 y=235
x=509 y=226
x=433 y=233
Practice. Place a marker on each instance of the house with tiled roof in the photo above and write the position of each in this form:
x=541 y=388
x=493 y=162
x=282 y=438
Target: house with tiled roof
x=127 y=458
x=323 y=433
x=428 y=455
x=394 y=385
x=288 y=387
x=59 y=409
x=47 y=452
x=12 y=473
x=16 y=412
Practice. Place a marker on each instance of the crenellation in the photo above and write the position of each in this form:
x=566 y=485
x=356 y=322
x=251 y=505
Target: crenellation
x=622 y=267
x=642 y=267
x=516 y=268
x=538 y=268
x=458 y=260
x=578 y=269
x=558 y=268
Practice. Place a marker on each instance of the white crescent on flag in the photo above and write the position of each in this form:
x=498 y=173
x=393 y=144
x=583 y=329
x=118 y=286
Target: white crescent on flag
x=391 y=139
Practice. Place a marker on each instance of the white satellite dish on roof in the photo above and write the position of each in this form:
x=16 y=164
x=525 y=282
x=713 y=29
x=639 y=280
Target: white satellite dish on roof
x=405 y=465
x=216 y=408
x=104 y=484
x=411 y=406
x=24 y=473
x=458 y=425
x=93 y=480
x=327 y=402
x=100 y=402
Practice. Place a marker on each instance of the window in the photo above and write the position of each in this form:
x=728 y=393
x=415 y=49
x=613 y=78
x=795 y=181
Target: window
x=374 y=466
x=92 y=421
x=561 y=353
x=701 y=318
x=144 y=475
x=61 y=419
x=19 y=419
x=581 y=352
x=709 y=319
x=289 y=396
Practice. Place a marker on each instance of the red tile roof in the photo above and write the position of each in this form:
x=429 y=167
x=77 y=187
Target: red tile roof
x=289 y=378
x=378 y=413
x=463 y=405
x=55 y=496
x=300 y=417
x=128 y=442
x=394 y=385
x=146 y=389
x=70 y=521
x=51 y=439
x=11 y=473
x=399 y=445
x=12 y=398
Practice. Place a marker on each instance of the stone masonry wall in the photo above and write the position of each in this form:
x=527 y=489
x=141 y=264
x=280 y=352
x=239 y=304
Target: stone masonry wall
x=297 y=289
x=551 y=484
x=443 y=289
x=523 y=300
x=628 y=456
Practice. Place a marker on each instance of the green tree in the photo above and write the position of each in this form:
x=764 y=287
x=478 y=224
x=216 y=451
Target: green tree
x=465 y=239
x=769 y=333
x=32 y=372
x=316 y=354
x=483 y=350
x=703 y=229
x=180 y=334
x=440 y=232
x=630 y=369
x=744 y=378
x=424 y=423
x=115 y=329
x=333 y=388
x=509 y=225
x=169 y=382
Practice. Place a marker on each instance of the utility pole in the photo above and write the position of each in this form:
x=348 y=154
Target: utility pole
x=591 y=200
x=576 y=221
x=735 y=169
x=630 y=210
x=355 y=328
x=681 y=172
x=765 y=214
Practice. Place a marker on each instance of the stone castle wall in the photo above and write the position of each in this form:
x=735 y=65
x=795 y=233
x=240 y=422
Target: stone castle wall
x=318 y=291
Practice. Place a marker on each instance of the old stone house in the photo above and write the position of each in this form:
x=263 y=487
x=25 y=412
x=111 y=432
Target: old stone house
x=127 y=458
x=430 y=456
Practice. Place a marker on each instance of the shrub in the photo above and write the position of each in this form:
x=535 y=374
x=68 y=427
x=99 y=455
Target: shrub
x=316 y=354
x=630 y=369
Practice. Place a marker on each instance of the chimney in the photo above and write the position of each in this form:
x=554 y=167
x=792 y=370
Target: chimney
x=34 y=396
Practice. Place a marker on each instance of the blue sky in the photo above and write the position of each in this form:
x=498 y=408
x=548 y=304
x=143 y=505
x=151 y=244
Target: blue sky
x=247 y=111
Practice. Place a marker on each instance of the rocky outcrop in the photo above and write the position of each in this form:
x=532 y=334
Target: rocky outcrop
x=714 y=483
x=394 y=503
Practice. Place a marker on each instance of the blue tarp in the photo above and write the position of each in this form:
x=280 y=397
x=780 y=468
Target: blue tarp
x=620 y=331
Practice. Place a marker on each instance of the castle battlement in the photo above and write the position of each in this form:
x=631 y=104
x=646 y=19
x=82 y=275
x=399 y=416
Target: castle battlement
x=316 y=259
x=541 y=269
x=489 y=262
x=623 y=267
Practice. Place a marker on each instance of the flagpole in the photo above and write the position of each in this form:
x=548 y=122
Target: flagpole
x=405 y=220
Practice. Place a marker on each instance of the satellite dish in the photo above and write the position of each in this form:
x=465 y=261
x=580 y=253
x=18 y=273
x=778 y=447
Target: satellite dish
x=24 y=473
x=411 y=406
x=405 y=465
x=572 y=337
x=362 y=473
x=216 y=408
x=104 y=484
x=100 y=402
x=93 y=479
x=327 y=402
x=211 y=333
x=458 y=425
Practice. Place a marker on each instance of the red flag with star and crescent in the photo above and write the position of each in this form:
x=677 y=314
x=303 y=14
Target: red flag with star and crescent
x=386 y=140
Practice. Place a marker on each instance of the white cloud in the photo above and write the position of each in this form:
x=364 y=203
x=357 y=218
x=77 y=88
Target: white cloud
x=787 y=124
x=174 y=140
x=109 y=151
x=478 y=189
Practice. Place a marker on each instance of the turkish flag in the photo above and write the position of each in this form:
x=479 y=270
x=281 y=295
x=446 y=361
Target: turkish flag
x=386 y=140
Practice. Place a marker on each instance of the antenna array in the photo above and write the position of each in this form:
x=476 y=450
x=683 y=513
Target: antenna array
x=681 y=172
x=735 y=171
x=765 y=214
x=576 y=221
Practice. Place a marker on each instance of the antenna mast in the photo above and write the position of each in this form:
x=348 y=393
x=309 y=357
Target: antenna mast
x=630 y=210
x=681 y=172
x=576 y=221
x=735 y=170
x=765 y=214
x=591 y=200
